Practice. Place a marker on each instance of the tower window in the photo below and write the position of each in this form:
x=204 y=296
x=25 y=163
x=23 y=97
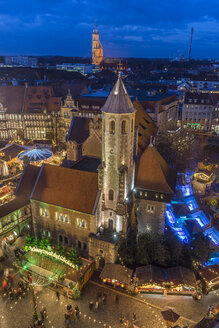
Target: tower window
x=132 y=125
x=112 y=127
x=123 y=127
x=111 y=194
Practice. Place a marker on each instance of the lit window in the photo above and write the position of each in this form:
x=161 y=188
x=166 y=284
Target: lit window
x=62 y=217
x=81 y=223
x=161 y=196
x=150 y=208
x=44 y=211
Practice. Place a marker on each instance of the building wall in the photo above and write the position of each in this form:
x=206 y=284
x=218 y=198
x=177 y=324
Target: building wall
x=14 y=221
x=198 y=116
x=150 y=216
x=72 y=230
x=66 y=117
x=118 y=166
x=92 y=146
x=168 y=116
x=99 y=249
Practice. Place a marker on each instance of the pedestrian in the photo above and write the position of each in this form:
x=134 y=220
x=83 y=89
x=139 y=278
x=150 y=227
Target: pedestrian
x=134 y=317
x=91 y=304
x=45 y=312
x=104 y=299
x=42 y=314
x=66 y=319
x=117 y=299
x=57 y=295
x=77 y=312
x=122 y=320
x=96 y=305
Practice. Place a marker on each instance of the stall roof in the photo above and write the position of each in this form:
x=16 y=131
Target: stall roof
x=181 y=276
x=117 y=272
x=150 y=273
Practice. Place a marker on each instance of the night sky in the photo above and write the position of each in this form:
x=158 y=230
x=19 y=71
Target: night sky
x=128 y=28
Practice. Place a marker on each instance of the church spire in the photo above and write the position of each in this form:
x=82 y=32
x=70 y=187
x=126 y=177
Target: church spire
x=118 y=101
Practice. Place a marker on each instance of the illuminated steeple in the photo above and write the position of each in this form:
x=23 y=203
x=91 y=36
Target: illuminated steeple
x=97 y=49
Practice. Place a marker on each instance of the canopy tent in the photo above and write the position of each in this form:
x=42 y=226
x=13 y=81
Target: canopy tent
x=35 y=155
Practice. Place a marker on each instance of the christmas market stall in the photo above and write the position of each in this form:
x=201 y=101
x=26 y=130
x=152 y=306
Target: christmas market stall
x=150 y=279
x=180 y=280
x=116 y=275
x=176 y=280
x=209 y=276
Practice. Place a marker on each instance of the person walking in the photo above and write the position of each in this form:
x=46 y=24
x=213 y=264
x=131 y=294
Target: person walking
x=96 y=305
x=117 y=299
x=57 y=295
x=42 y=314
x=134 y=318
x=91 y=304
x=77 y=312
x=104 y=299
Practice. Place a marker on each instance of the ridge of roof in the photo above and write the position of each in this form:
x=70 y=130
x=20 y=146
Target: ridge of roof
x=118 y=102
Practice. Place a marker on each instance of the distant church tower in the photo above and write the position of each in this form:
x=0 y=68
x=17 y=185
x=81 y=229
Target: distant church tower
x=116 y=175
x=97 y=49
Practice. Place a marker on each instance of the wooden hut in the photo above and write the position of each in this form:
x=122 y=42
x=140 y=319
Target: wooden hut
x=116 y=275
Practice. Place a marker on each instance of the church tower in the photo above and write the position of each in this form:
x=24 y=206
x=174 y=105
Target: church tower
x=116 y=175
x=97 y=49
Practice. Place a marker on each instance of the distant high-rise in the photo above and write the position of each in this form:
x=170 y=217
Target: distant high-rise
x=97 y=49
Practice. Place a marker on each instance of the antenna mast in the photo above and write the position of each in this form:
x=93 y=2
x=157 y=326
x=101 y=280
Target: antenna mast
x=190 y=45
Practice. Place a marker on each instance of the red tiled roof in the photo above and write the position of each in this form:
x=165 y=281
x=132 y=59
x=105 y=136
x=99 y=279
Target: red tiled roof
x=67 y=188
x=153 y=172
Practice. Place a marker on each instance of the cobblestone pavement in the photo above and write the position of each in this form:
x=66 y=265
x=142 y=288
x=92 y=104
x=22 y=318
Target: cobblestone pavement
x=17 y=314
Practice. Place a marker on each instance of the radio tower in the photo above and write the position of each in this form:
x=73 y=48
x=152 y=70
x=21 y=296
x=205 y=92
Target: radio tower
x=190 y=45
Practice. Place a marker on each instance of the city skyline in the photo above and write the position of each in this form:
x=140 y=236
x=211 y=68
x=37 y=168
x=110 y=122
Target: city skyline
x=127 y=29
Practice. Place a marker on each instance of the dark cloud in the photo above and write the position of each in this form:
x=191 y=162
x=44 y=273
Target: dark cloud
x=146 y=28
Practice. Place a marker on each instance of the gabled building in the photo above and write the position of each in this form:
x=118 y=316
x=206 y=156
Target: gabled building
x=154 y=187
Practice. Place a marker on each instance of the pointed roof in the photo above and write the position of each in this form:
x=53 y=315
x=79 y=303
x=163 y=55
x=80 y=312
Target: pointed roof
x=118 y=101
x=153 y=172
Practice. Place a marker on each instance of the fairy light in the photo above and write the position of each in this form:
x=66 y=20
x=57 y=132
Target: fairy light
x=56 y=256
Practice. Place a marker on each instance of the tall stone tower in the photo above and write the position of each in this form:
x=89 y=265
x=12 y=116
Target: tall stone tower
x=97 y=49
x=116 y=175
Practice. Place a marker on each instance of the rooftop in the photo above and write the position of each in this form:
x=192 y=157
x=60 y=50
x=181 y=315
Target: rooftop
x=153 y=172
x=69 y=188
x=118 y=101
x=89 y=164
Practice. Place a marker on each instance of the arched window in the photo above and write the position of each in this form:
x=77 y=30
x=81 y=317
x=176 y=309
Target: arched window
x=66 y=240
x=112 y=127
x=123 y=127
x=111 y=194
x=60 y=238
x=132 y=126
x=79 y=244
x=84 y=246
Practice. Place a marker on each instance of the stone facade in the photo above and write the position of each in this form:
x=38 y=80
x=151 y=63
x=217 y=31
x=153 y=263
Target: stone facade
x=50 y=220
x=150 y=215
x=118 y=168
x=66 y=117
